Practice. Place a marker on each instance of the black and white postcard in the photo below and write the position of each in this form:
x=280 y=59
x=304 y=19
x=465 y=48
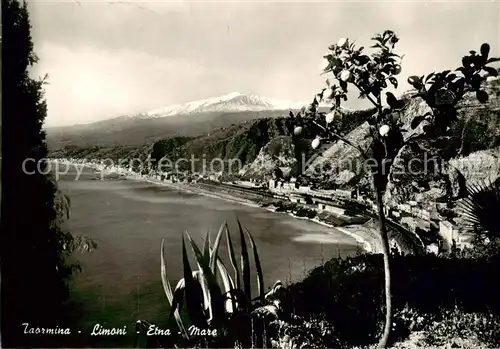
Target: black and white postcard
x=250 y=174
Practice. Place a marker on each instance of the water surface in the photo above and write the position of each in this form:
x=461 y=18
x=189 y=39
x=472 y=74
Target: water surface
x=120 y=282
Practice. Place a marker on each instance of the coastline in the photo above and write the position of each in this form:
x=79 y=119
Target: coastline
x=356 y=231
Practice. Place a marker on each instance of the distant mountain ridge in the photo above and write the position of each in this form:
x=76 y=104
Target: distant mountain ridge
x=203 y=116
x=231 y=102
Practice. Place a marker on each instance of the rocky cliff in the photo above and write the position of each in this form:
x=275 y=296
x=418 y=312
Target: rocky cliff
x=427 y=170
x=258 y=147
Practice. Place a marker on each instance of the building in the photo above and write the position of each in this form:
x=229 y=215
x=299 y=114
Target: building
x=304 y=189
x=325 y=205
x=297 y=199
x=404 y=208
x=449 y=234
x=394 y=213
x=345 y=193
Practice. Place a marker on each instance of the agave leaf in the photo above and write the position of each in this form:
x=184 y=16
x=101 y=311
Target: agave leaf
x=178 y=299
x=226 y=278
x=241 y=298
x=193 y=290
x=206 y=246
x=216 y=307
x=258 y=266
x=245 y=263
x=168 y=292
x=232 y=259
x=202 y=281
x=215 y=248
x=201 y=261
x=228 y=285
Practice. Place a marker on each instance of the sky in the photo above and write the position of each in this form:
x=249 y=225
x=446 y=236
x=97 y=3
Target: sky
x=107 y=58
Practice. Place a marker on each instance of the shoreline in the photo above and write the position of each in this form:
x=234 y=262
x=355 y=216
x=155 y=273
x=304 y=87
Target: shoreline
x=367 y=245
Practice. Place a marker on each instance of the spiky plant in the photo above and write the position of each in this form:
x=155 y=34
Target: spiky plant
x=227 y=307
x=481 y=208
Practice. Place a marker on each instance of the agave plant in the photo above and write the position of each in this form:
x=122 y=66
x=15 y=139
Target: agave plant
x=212 y=305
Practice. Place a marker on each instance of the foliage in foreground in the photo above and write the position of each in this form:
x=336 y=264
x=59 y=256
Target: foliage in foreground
x=228 y=309
x=346 y=297
x=480 y=209
x=35 y=247
x=371 y=75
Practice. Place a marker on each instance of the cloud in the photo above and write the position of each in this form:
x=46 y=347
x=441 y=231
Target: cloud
x=137 y=55
x=90 y=84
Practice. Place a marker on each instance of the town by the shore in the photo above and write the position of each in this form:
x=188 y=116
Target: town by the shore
x=364 y=234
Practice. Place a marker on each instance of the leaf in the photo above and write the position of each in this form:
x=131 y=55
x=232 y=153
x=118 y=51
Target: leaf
x=451 y=77
x=430 y=76
x=466 y=61
x=337 y=101
x=178 y=300
x=343 y=85
x=215 y=249
x=243 y=302
x=216 y=305
x=232 y=259
x=258 y=266
x=485 y=50
x=482 y=96
x=228 y=285
x=192 y=291
x=491 y=71
x=202 y=282
x=168 y=291
x=245 y=263
x=363 y=59
x=393 y=81
x=206 y=246
x=492 y=60
x=392 y=101
x=415 y=81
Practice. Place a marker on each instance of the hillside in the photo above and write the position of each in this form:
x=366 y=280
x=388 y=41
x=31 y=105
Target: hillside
x=137 y=131
x=267 y=138
x=262 y=142
x=188 y=119
x=478 y=129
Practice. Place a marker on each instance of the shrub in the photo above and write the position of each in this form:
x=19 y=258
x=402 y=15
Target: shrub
x=228 y=309
x=348 y=294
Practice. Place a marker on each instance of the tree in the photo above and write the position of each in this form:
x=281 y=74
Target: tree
x=371 y=74
x=34 y=247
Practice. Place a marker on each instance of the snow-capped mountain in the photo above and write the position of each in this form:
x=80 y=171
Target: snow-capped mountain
x=231 y=102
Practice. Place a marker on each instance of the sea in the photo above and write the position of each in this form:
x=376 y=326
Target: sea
x=120 y=280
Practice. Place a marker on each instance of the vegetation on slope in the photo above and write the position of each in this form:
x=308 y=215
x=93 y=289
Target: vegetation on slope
x=35 y=248
x=242 y=141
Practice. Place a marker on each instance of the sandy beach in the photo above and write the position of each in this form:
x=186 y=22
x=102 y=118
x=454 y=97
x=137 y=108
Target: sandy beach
x=363 y=235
